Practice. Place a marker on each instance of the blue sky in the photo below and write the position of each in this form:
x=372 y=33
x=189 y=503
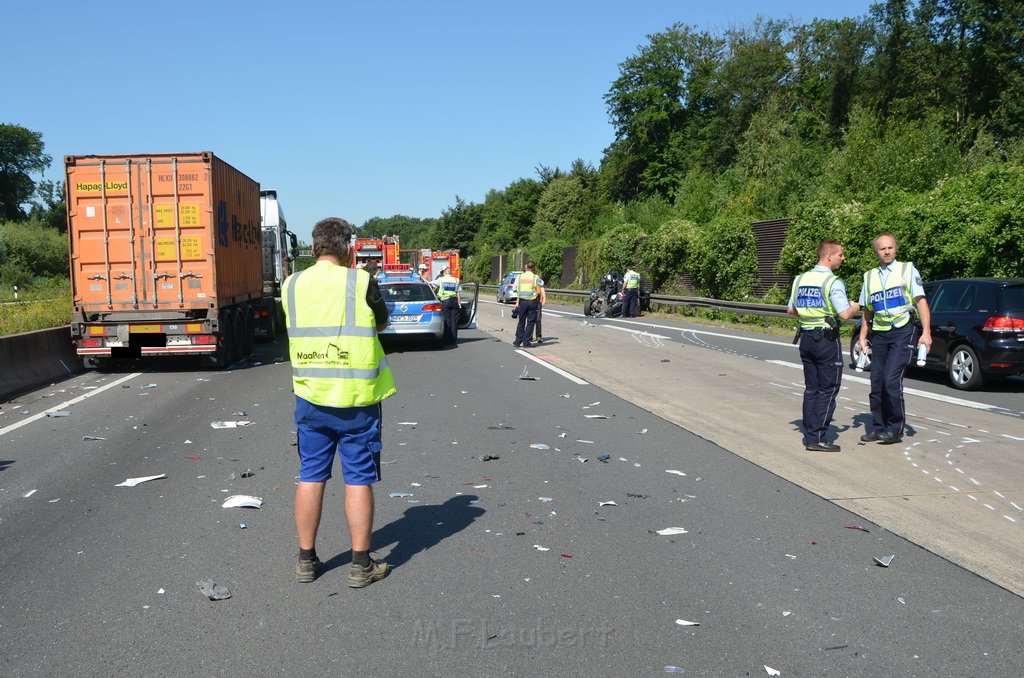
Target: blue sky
x=348 y=109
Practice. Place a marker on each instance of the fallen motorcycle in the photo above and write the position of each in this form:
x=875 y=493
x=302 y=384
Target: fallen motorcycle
x=606 y=301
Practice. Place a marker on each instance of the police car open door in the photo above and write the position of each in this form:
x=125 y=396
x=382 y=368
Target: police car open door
x=467 y=314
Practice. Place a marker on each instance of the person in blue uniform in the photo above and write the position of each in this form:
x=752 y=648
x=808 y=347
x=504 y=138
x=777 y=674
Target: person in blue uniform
x=448 y=288
x=892 y=293
x=819 y=299
x=630 y=293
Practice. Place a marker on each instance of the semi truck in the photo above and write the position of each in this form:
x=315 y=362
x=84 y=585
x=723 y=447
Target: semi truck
x=280 y=248
x=165 y=256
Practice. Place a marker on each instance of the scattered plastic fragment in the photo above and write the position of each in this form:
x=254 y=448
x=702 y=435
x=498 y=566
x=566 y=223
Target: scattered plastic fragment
x=885 y=561
x=489 y=457
x=566 y=555
x=545 y=499
x=901 y=601
x=786 y=613
x=595 y=416
x=835 y=647
x=480 y=487
x=856 y=527
x=540 y=446
x=565 y=395
x=28 y=494
x=212 y=591
x=132 y=482
x=242 y=501
x=502 y=427
x=525 y=376
x=771 y=671
x=641 y=432
x=241 y=526
x=561 y=435
x=586 y=442
x=193 y=457
x=668 y=531
x=673 y=669
x=606 y=503
x=603 y=458
x=678 y=473
x=683 y=622
x=59 y=413
x=541 y=548
x=229 y=424
x=160 y=591
x=92 y=438
x=581 y=459
x=239 y=414
x=248 y=473
x=145 y=386
x=408 y=423
x=400 y=495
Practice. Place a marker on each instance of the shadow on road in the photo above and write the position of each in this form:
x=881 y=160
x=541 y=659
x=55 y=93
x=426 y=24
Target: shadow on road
x=420 y=528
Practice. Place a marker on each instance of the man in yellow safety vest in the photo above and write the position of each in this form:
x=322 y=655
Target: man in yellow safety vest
x=527 y=296
x=340 y=375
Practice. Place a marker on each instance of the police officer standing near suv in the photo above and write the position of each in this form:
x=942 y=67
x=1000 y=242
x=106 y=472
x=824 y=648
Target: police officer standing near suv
x=451 y=304
x=890 y=294
x=818 y=299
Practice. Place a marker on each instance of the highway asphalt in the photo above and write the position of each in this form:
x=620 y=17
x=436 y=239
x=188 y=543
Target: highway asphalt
x=511 y=566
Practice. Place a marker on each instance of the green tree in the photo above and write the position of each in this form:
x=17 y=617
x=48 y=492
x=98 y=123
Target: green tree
x=457 y=226
x=21 y=152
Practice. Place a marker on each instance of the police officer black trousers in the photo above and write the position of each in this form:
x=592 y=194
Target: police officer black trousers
x=527 y=320
x=450 y=312
x=891 y=352
x=823 y=373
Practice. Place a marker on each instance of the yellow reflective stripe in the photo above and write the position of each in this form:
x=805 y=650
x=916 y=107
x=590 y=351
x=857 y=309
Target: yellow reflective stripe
x=334 y=331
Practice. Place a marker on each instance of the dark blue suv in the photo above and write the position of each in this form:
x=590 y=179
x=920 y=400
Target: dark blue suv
x=977 y=329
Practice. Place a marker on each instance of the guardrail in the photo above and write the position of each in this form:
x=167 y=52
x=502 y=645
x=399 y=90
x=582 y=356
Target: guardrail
x=767 y=310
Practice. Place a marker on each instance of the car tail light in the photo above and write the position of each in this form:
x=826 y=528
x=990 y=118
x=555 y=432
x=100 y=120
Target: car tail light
x=1002 y=323
x=431 y=308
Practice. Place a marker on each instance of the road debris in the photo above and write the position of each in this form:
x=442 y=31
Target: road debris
x=595 y=416
x=885 y=561
x=604 y=458
x=641 y=432
x=540 y=446
x=229 y=424
x=683 y=622
x=59 y=413
x=28 y=494
x=145 y=386
x=856 y=527
x=673 y=669
x=400 y=495
x=668 y=531
x=585 y=442
x=242 y=501
x=771 y=671
x=544 y=499
x=212 y=591
x=488 y=457
x=541 y=548
x=408 y=423
x=606 y=503
x=132 y=482
x=92 y=438
x=673 y=471
x=525 y=376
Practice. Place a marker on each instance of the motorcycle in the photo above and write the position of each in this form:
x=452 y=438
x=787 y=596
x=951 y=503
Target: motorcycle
x=606 y=301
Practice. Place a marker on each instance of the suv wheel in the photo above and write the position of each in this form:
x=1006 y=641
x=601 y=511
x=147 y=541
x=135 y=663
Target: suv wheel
x=963 y=368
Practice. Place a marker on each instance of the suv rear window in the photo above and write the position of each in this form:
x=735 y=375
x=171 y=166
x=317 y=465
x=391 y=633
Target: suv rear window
x=396 y=292
x=1011 y=299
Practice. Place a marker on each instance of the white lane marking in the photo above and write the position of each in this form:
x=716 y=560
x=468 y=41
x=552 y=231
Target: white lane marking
x=913 y=391
x=557 y=370
x=626 y=329
x=68 y=403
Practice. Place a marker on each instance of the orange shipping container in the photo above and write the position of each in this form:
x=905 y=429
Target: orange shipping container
x=161 y=238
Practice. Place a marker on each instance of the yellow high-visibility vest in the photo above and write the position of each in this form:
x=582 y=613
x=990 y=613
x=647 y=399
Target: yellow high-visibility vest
x=337 y=360
x=811 y=298
x=890 y=304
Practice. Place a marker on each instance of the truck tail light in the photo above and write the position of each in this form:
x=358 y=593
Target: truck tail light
x=205 y=339
x=1002 y=323
x=90 y=343
x=431 y=308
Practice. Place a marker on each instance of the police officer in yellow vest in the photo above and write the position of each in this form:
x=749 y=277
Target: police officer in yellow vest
x=451 y=305
x=340 y=375
x=890 y=294
x=527 y=300
x=818 y=299
x=630 y=293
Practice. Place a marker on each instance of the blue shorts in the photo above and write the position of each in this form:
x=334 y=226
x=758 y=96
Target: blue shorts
x=354 y=432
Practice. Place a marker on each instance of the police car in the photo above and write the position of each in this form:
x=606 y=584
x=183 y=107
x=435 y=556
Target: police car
x=415 y=312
